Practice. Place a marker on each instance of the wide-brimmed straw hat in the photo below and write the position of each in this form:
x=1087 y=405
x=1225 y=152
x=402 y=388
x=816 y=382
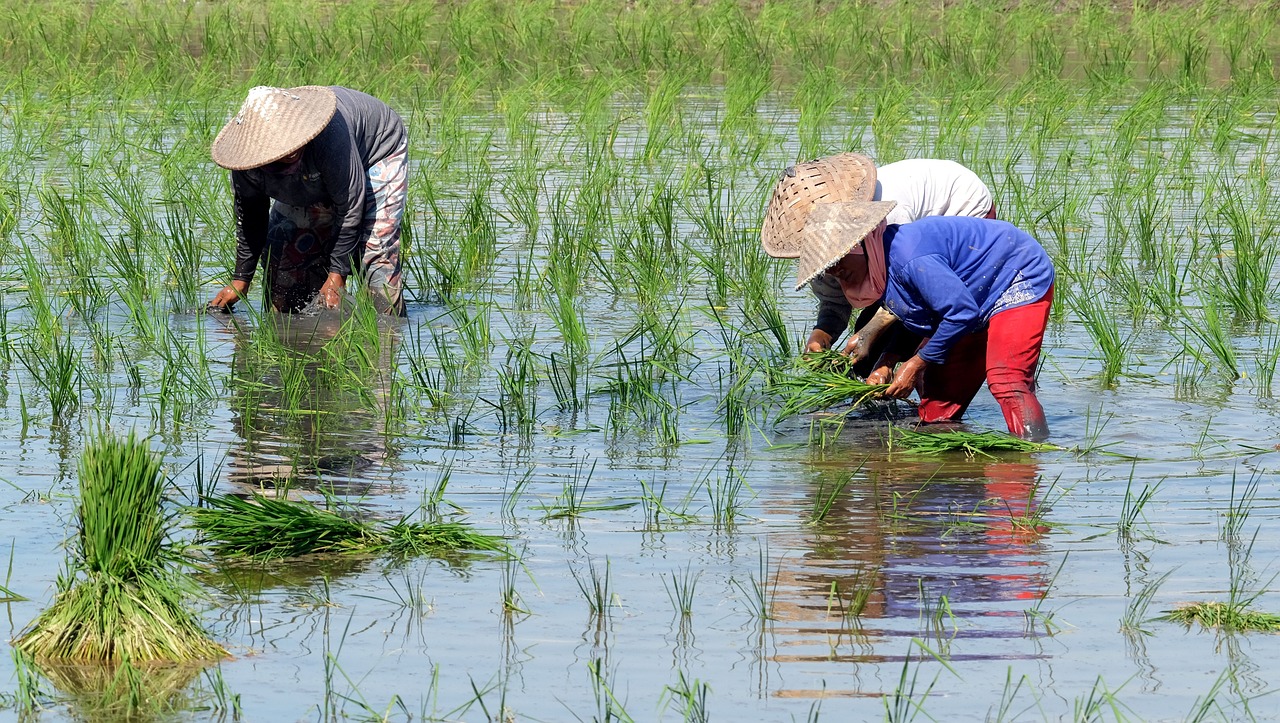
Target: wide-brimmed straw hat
x=272 y=123
x=833 y=230
x=834 y=179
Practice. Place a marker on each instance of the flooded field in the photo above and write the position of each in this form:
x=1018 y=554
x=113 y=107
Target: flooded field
x=583 y=371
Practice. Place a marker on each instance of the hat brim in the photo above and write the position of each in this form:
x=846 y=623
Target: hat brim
x=266 y=132
x=832 y=231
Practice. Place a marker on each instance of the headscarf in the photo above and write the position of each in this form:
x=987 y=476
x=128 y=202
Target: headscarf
x=870 y=288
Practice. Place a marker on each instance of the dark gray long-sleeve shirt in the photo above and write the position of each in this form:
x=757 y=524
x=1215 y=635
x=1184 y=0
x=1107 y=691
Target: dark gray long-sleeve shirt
x=363 y=131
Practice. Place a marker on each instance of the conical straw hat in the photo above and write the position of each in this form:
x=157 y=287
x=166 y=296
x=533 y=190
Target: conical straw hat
x=833 y=230
x=843 y=177
x=272 y=123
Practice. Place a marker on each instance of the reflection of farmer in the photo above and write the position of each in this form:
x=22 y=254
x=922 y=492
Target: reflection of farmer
x=308 y=416
x=334 y=161
x=921 y=186
x=971 y=531
x=979 y=289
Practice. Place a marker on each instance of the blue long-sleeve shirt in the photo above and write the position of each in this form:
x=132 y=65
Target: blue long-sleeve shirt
x=947 y=275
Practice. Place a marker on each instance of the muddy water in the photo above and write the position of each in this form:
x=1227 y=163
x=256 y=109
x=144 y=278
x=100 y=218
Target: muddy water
x=996 y=584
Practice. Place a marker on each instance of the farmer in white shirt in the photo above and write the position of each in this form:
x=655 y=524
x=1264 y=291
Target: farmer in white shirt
x=921 y=186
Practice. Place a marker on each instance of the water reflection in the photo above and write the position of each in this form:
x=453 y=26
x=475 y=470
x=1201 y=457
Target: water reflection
x=905 y=548
x=309 y=403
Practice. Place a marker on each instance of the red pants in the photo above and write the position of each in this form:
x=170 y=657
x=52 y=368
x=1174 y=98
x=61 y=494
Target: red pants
x=1005 y=355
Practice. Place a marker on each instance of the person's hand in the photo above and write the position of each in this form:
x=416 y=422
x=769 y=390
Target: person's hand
x=851 y=346
x=883 y=371
x=229 y=295
x=905 y=380
x=819 y=340
x=880 y=375
x=331 y=292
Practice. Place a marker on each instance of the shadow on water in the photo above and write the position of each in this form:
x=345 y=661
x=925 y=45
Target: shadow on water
x=308 y=403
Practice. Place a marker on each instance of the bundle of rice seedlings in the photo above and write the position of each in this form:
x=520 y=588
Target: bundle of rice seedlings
x=266 y=528
x=1224 y=616
x=826 y=379
x=121 y=597
x=971 y=443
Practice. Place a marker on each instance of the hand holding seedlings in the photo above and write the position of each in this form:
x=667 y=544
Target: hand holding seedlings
x=980 y=289
x=339 y=196
x=819 y=340
x=905 y=381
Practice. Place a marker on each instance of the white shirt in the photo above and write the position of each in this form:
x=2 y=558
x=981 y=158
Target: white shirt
x=931 y=187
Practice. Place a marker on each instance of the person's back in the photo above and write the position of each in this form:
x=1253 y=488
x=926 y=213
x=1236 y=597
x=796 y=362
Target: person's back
x=931 y=187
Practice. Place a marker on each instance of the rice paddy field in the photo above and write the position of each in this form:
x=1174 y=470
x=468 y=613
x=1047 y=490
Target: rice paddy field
x=589 y=363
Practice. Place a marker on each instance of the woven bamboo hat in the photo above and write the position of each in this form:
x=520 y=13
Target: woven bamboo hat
x=834 y=179
x=833 y=230
x=272 y=123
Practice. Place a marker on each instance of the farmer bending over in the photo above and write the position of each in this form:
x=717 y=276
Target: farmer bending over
x=921 y=186
x=979 y=291
x=334 y=161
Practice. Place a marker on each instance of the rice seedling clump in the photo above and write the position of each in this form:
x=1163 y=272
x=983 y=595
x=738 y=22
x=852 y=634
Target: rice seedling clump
x=121 y=597
x=267 y=528
x=971 y=443
x=823 y=380
x=1225 y=617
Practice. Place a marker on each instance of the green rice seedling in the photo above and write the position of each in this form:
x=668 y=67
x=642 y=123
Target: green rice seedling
x=692 y=697
x=727 y=502
x=824 y=500
x=1266 y=358
x=1092 y=705
x=608 y=708
x=907 y=701
x=516 y=408
x=58 y=371
x=1135 y=614
x=571 y=503
x=656 y=509
x=1090 y=307
x=1224 y=616
x=860 y=586
x=1239 y=507
x=818 y=388
x=1217 y=338
x=937 y=620
x=682 y=589
x=1206 y=707
x=565 y=373
x=512 y=602
x=760 y=589
x=265 y=528
x=1244 y=256
x=6 y=594
x=120 y=598
x=971 y=443
x=596 y=588
x=1133 y=504
x=511 y=495
x=1003 y=711
x=1036 y=614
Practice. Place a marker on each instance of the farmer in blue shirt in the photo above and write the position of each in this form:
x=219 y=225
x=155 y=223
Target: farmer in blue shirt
x=978 y=290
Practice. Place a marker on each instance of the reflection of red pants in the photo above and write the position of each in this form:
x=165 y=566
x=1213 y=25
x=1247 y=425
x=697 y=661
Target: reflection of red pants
x=1005 y=355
